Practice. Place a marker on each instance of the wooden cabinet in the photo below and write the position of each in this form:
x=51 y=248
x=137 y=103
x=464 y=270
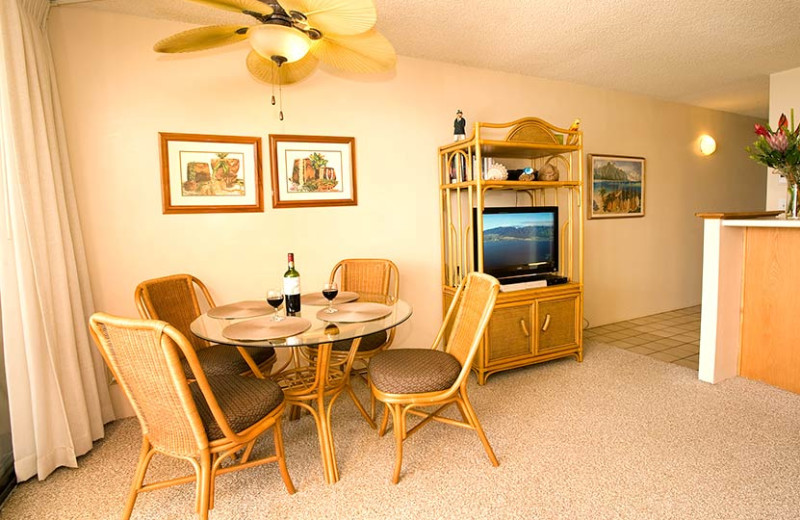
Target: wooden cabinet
x=528 y=325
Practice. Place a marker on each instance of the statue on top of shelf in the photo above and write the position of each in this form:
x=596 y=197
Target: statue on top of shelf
x=459 y=127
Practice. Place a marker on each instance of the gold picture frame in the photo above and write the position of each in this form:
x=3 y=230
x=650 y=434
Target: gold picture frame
x=616 y=186
x=210 y=173
x=313 y=171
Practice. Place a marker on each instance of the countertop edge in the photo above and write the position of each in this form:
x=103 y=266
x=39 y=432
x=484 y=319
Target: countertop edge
x=739 y=214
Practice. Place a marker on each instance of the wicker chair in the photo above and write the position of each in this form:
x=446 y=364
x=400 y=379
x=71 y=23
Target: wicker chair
x=407 y=379
x=174 y=299
x=374 y=279
x=203 y=422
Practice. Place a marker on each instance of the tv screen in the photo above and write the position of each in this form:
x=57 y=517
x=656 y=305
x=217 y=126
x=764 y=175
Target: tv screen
x=520 y=240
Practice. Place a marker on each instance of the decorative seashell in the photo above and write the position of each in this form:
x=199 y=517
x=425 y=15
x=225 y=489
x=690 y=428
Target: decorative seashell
x=496 y=172
x=549 y=172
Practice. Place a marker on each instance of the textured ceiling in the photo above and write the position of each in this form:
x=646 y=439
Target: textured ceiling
x=716 y=54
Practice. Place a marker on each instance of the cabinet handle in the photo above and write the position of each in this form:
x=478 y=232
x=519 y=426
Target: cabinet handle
x=546 y=323
x=524 y=328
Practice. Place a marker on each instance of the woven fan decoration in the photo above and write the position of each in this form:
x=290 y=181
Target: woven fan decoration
x=292 y=36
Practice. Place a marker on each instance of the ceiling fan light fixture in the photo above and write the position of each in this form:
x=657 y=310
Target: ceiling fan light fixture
x=272 y=40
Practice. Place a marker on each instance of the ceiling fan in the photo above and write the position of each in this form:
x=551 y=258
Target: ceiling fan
x=292 y=36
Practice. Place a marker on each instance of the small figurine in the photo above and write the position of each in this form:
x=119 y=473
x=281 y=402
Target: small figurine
x=572 y=137
x=459 y=127
x=549 y=172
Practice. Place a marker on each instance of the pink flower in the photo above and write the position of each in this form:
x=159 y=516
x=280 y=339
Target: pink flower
x=760 y=130
x=778 y=141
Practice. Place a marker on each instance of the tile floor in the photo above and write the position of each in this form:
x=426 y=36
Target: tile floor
x=672 y=336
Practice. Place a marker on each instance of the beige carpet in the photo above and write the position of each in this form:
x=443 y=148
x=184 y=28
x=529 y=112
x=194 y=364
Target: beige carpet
x=617 y=436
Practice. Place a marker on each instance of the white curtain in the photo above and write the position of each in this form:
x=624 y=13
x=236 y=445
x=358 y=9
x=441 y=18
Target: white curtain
x=58 y=396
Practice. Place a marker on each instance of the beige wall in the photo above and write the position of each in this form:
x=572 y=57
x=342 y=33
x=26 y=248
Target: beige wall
x=784 y=95
x=117 y=95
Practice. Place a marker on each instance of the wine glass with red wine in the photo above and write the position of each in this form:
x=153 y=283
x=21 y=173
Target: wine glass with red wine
x=329 y=291
x=275 y=298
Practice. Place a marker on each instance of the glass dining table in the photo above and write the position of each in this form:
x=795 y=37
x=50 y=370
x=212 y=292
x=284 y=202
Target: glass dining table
x=316 y=374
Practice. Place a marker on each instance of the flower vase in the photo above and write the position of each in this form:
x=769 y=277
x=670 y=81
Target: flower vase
x=792 y=201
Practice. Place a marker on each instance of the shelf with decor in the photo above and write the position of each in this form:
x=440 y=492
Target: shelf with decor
x=511 y=206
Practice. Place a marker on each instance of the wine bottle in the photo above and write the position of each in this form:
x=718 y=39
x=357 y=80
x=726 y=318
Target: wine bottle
x=291 y=288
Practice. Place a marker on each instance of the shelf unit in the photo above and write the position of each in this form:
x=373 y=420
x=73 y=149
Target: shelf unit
x=511 y=339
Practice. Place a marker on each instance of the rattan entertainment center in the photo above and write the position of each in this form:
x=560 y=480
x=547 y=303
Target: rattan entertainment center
x=534 y=324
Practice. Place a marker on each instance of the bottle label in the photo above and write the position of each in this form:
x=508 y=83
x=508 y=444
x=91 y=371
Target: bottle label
x=291 y=286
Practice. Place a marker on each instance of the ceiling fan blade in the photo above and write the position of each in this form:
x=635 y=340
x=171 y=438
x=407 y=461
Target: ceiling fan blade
x=367 y=52
x=238 y=6
x=335 y=16
x=269 y=72
x=202 y=38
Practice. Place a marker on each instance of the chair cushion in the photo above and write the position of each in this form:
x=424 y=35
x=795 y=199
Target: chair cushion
x=368 y=342
x=218 y=360
x=412 y=371
x=243 y=400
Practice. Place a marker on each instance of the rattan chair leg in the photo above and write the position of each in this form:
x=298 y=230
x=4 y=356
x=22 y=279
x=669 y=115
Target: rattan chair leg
x=216 y=460
x=360 y=407
x=248 y=450
x=279 y=452
x=399 y=429
x=473 y=420
x=145 y=456
x=464 y=413
x=384 y=421
x=204 y=485
x=372 y=399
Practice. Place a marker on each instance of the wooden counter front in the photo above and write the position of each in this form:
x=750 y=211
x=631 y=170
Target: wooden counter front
x=751 y=284
x=770 y=350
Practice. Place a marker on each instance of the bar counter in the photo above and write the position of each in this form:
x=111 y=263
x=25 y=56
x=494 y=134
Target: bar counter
x=751 y=287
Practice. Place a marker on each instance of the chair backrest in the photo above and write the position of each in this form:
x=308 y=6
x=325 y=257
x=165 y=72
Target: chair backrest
x=468 y=317
x=143 y=356
x=173 y=299
x=367 y=275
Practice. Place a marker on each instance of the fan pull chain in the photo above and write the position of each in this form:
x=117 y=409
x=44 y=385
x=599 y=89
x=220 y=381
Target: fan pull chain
x=279 y=60
x=280 y=96
x=272 y=73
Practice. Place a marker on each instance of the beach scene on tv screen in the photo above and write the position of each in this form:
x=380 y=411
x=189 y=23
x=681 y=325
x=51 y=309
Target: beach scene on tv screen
x=514 y=239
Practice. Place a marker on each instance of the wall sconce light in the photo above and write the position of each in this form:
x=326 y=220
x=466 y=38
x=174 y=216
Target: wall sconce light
x=707 y=144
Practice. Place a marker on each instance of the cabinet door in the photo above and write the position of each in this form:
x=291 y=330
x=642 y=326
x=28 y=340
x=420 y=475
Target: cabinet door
x=556 y=321
x=509 y=333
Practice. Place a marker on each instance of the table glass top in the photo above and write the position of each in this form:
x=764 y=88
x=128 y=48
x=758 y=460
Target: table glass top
x=320 y=331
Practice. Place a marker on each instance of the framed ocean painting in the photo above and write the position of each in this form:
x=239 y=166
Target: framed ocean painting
x=616 y=186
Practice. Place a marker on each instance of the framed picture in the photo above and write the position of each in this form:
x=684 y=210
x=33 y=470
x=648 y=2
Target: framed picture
x=211 y=173
x=312 y=171
x=616 y=186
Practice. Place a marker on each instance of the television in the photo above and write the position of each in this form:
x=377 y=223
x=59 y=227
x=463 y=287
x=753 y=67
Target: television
x=519 y=242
